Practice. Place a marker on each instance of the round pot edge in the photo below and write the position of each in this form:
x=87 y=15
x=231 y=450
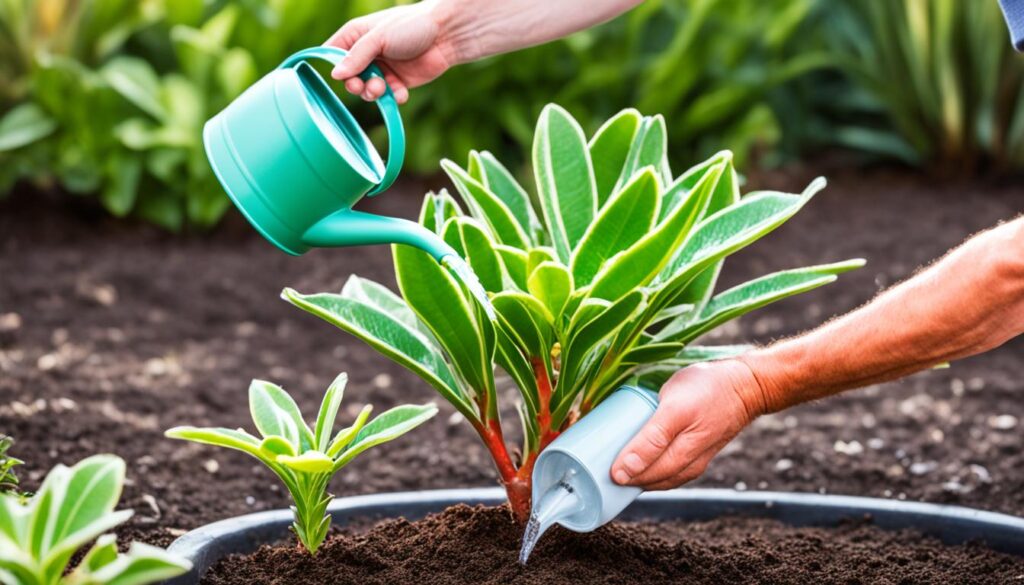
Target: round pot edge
x=952 y=524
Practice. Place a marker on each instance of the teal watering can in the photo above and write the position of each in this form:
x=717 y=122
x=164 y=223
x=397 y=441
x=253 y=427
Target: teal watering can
x=294 y=161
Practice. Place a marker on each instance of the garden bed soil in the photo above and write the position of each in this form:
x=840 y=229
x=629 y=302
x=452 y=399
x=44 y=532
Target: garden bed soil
x=479 y=544
x=111 y=333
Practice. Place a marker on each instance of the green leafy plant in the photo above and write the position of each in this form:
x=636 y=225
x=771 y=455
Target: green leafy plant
x=8 y=479
x=959 y=101
x=75 y=506
x=611 y=280
x=304 y=458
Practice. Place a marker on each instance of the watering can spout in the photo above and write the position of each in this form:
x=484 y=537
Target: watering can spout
x=348 y=227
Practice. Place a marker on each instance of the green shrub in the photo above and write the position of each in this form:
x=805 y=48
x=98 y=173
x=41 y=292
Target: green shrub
x=304 y=458
x=74 y=507
x=939 y=77
x=611 y=280
x=109 y=98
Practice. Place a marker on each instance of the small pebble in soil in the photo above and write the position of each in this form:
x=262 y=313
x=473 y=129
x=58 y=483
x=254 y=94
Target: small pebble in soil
x=250 y=501
x=783 y=465
x=211 y=466
x=382 y=381
x=981 y=472
x=1003 y=422
x=876 y=443
x=957 y=386
x=852 y=448
x=923 y=467
x=740 y=486
x=10 y=322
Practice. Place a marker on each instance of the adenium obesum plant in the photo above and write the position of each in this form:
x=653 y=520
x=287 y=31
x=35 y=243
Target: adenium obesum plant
x=304 y=458
x=75 y=506
x=612 y=280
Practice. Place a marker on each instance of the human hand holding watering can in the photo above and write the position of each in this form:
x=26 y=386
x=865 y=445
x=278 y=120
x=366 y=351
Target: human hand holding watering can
x=416 y=43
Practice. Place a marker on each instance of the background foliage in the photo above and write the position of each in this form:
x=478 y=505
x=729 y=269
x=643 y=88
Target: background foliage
x=108 y=97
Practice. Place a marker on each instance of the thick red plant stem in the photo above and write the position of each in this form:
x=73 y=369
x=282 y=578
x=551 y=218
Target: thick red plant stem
x=518 y=482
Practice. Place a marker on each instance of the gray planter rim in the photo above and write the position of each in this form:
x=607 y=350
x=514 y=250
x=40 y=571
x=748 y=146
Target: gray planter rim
x=207 y=545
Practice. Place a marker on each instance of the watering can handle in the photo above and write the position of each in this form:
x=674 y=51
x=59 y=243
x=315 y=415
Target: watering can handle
x=387 y=104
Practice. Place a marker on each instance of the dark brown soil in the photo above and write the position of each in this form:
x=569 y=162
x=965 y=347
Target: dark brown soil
x=480 y=545
x=111 y=333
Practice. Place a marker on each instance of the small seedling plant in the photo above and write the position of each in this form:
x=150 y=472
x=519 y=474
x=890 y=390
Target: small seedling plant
x=304 y=458
x=611 y=280
x=75 y=506
x=8 y=479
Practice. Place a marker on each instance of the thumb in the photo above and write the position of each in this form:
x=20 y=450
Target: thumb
x=362 y=53
x=645 y=448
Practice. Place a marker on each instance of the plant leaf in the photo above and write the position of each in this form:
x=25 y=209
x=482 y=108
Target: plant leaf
x=329 y=412
x=565 y=179
x=641 y=262
x=219 y=437
x=501 y=182
x=308 y=462
x=389 y=425
x=345 y=436
x=627 y=217
x=609 y=149
x=442 y=305
x=391 y=337
x=551 y=284
x=487 y=207
x=275 y=413
x=24 y=125
x=757 y=293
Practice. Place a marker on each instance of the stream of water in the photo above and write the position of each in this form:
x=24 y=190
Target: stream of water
x=560 y=501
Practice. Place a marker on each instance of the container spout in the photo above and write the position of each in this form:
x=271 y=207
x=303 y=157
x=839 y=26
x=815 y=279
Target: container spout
x=357 y=228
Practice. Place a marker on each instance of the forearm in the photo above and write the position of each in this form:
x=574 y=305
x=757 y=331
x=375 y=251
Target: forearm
x=970 y=301
x=481 y=28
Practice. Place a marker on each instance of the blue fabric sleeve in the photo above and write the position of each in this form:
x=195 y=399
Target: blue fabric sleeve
x=1013 y=10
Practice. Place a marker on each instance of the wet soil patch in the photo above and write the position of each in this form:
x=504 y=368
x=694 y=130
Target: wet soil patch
x=111 y=333
x=480 y=545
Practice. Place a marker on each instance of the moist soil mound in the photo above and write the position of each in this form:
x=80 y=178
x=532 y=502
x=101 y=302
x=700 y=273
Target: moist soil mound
x=480 y=544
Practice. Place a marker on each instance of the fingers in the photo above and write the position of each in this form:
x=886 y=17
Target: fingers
x=648 y=445
x=680 y=454
x=362 y=53
x=685 y=475
x=397 y=86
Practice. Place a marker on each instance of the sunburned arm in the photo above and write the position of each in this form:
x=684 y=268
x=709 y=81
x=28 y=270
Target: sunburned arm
x=970 y=301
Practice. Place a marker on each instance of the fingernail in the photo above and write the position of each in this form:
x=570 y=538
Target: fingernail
x=338 y=73
x=632 y=463
x=621 y=476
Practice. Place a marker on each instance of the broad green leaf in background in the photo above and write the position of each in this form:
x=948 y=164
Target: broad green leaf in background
x=24 y=125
